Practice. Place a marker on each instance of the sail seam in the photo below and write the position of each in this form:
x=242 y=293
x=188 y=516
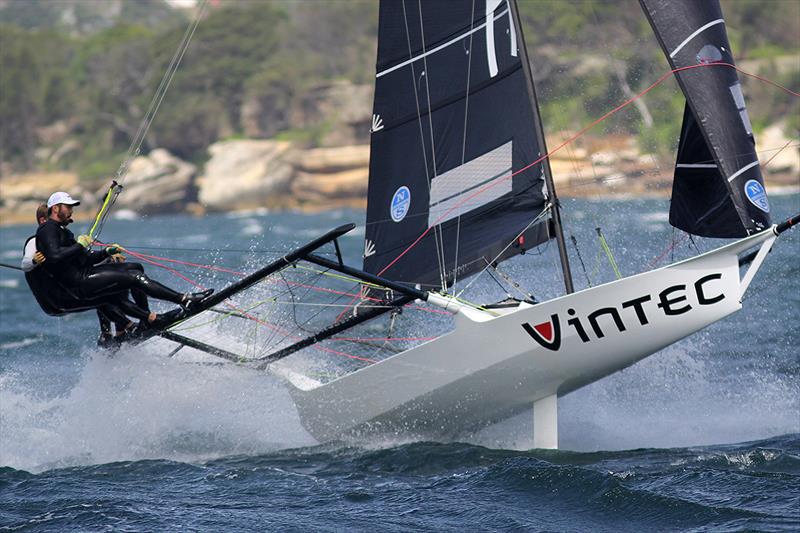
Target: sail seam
x=438 y=231
x=463 y=139
x=695 y=34
x=440 y=47
x=741 y=170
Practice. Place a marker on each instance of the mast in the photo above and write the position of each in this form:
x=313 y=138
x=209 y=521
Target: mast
x=548 y=176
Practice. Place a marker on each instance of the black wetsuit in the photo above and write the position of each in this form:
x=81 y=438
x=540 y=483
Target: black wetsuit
x=77 y=270
x=56 y=300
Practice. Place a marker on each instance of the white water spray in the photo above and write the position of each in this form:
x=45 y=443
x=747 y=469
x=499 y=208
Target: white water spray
x=139 y=404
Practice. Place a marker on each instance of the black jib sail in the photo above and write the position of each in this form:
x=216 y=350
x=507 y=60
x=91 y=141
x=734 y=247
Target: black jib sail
x=452 y=121
x=718 y=189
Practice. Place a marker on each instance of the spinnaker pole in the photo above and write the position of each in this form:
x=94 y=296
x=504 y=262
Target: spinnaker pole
x=548 y=175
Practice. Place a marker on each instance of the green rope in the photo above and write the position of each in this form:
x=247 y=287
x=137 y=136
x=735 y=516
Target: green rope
x=607 y=250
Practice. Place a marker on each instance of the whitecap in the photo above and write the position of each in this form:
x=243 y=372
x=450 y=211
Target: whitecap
x=783 y=190
x=125 y=214
x=197 y=238
x=9 y=283
x=253 y=229
x=19 y=344
x=657 y=216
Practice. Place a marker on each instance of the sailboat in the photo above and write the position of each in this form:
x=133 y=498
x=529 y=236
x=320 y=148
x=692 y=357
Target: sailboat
x=459 y=182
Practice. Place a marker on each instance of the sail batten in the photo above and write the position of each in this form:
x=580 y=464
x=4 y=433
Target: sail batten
x=456 y=133
x=718 y=189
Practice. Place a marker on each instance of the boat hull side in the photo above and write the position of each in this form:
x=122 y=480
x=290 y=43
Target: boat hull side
x=485 y=371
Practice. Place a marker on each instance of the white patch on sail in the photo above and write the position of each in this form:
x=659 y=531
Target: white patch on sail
x=513 y=33
x=742 y=170
x=491 y=55
x=470 y=185
x=454 y=40
x=696 y=165
x=695 y=34
x=738 y=98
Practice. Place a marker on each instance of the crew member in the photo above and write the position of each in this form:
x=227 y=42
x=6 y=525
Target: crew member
x=55 y=300
x=75 y=267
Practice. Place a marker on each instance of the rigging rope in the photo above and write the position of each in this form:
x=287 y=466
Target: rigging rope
x=607 y=250
x=580 y=258
x=155 y=103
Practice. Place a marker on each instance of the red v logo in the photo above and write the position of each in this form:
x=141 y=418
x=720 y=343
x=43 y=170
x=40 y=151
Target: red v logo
x=545 y=330
x=547 y=334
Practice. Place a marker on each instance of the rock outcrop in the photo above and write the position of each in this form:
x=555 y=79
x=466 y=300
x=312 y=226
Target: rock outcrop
x=22 y=193
x=158 y=182
x=245 y=174
x=778 y=153
x=326 y=177
x=251 y=174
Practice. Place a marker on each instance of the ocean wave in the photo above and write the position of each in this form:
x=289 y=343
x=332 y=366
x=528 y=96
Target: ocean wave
x=9 y=283
x=20 y=344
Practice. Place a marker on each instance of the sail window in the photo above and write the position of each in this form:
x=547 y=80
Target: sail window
x=738 y=98
x=709 y=54
x=471 y=185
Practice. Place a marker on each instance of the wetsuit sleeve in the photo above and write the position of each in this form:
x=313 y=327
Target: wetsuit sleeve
x=47 y=241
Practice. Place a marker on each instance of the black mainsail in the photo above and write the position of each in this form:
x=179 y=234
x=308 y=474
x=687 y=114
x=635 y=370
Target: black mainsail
x=718 y=189
x=453 y=134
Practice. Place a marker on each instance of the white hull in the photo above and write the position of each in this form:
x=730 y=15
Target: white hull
x=490 y=368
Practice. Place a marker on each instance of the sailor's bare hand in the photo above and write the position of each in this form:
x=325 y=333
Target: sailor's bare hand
x=117 y=258
x=39 y=258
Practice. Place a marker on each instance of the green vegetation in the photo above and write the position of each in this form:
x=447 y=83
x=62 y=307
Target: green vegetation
x=93 y=67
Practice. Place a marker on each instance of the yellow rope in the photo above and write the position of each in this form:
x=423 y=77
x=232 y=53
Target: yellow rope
x=103 y=208
x=610 y=256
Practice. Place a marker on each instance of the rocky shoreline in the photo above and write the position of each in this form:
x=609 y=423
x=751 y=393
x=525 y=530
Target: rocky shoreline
x=250 y=173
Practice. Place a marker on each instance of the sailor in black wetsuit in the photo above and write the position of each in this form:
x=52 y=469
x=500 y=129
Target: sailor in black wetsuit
x=56 y=300
x=75 y=267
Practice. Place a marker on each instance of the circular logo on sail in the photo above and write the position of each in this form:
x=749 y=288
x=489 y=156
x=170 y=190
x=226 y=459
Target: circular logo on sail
x=401 y=202
x=757 y=195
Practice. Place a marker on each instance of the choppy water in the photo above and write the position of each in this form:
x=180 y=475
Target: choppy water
x=703 y=436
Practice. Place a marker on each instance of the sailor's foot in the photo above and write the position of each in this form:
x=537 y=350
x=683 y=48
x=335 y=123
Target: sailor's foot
x=191 y=299
x=106 y=340
x=163 y=320
x=126 y=334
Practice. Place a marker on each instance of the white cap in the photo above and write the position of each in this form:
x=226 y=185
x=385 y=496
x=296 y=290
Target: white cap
x=61 y=197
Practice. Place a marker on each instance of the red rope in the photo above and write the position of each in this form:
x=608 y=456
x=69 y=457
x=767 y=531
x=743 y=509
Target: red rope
x=144 y=257
x=147 y=259
x=669 y=248
x=376 y=339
